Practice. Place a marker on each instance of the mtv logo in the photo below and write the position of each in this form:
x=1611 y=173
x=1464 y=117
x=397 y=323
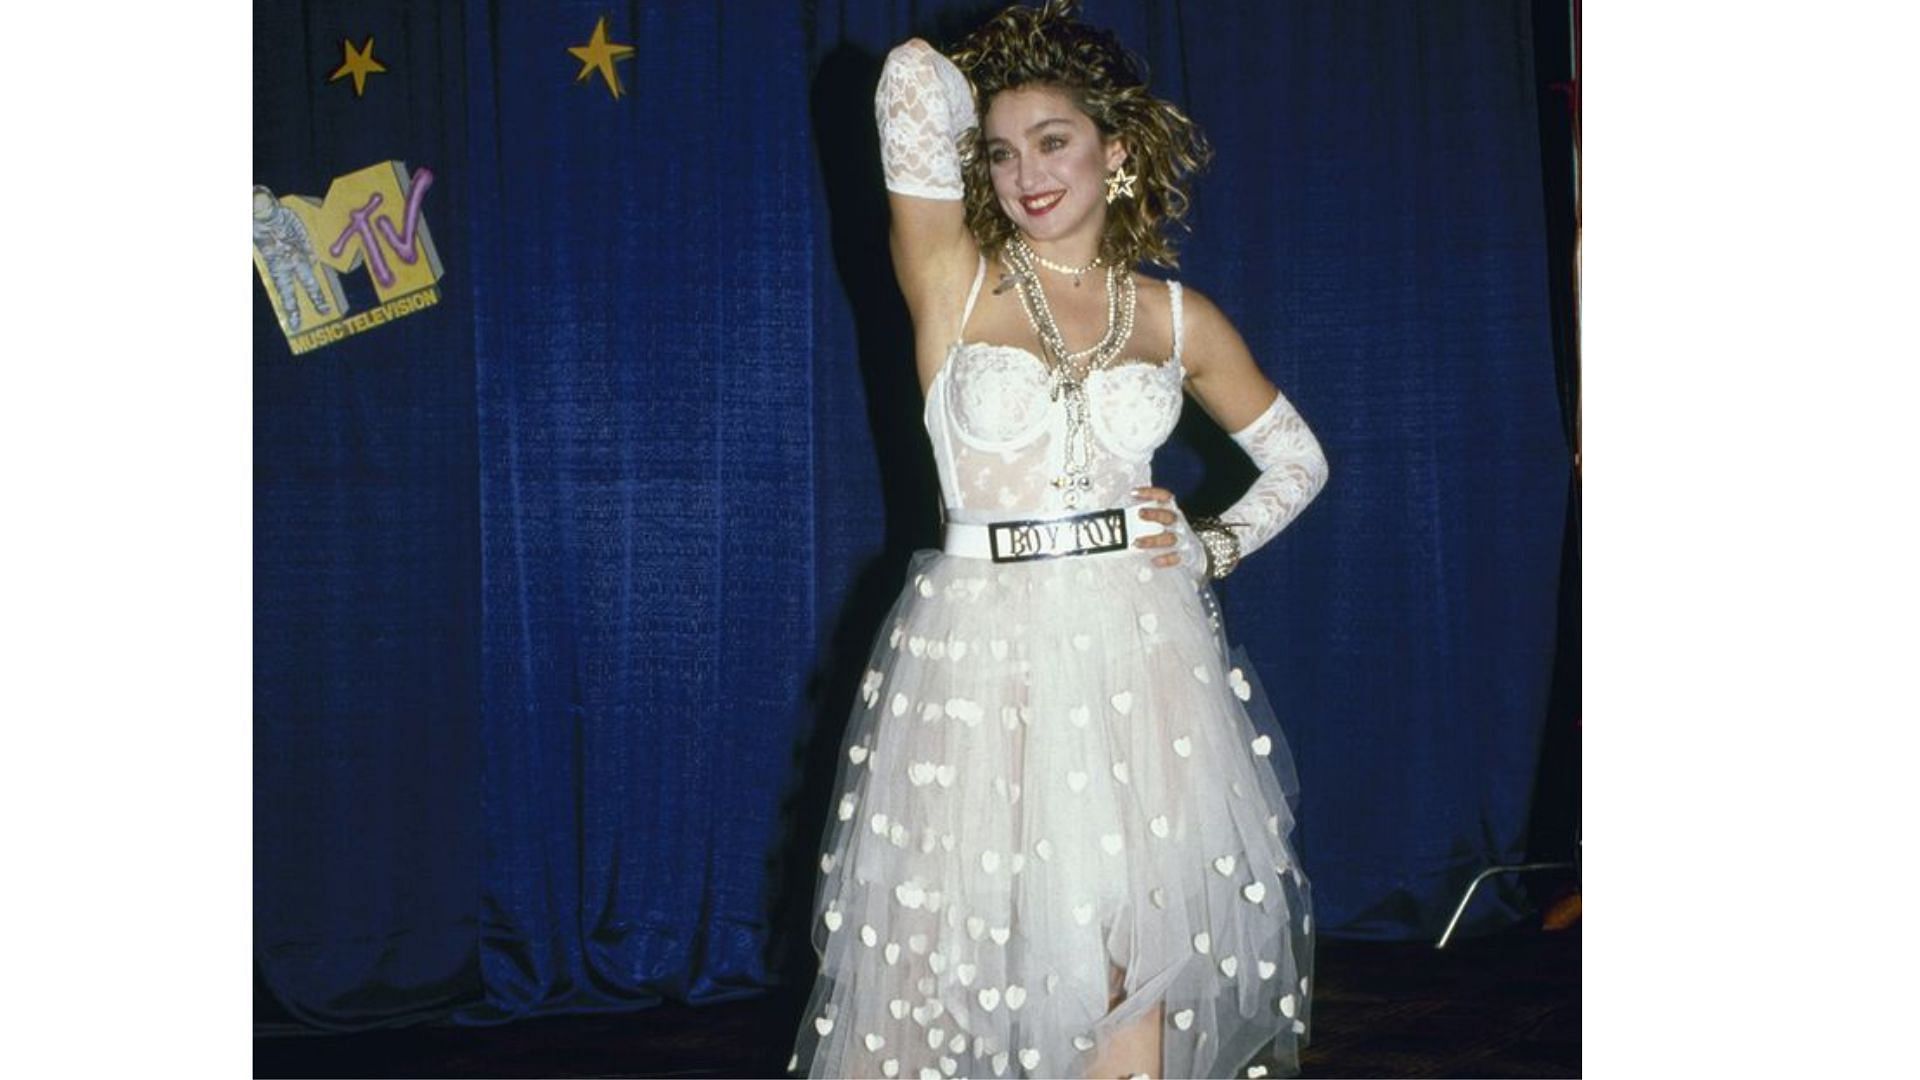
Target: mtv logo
x=302 y=245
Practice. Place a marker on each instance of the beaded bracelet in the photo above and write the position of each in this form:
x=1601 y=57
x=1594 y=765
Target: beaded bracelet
x=1222 y=546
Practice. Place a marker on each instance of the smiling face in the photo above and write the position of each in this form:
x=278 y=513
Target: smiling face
x=1049 y=164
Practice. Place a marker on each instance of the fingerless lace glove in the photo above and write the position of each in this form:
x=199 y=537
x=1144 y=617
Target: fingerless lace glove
x=1292 y=471
x=925 y=112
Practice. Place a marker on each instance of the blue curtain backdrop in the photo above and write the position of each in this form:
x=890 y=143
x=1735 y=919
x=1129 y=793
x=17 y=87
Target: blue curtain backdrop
x=562 y=585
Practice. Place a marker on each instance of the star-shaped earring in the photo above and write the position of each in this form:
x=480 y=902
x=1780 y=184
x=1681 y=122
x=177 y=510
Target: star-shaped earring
x=1120 y=183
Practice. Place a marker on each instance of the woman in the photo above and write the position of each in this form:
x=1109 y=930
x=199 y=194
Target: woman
x=1060 y=846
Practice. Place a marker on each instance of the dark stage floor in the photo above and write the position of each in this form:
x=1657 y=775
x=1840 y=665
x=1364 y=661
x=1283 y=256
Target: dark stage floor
x=1505 y=1006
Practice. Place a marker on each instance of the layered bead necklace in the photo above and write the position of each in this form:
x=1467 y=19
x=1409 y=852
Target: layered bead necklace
x=1067 y=368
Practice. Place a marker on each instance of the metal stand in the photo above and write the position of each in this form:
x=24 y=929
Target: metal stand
x=1461 y=908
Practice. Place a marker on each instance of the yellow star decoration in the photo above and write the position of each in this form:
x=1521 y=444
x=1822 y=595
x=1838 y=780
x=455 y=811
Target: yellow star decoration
x=599 y=55
x=359 y=64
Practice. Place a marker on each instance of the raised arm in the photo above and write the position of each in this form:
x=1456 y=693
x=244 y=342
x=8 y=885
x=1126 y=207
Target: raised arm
x=925 y=113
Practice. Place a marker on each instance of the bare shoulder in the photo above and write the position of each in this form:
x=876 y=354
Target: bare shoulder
x=1222 y=374
x=1210 y=338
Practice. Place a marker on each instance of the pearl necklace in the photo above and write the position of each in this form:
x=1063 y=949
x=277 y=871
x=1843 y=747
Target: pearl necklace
x=1019 y=259
x=1059 y=268
x=1069 y=369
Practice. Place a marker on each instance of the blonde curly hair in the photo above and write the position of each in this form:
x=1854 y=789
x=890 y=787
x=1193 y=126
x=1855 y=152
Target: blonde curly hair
x=1049 y=46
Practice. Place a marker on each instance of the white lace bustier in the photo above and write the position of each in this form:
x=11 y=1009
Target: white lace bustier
x=999 y=431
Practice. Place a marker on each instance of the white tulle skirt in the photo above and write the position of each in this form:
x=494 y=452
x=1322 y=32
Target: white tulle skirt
x=1058 y=792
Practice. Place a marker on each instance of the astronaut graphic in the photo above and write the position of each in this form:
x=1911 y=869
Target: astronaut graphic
x=284 y=245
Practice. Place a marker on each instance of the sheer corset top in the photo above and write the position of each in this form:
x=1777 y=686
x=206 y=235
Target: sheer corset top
x=999 y=426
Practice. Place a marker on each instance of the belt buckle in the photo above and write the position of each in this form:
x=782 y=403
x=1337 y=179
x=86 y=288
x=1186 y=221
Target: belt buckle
x=1082 y=534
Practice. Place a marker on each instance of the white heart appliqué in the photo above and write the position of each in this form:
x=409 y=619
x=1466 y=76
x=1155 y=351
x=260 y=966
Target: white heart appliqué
x=1238 y=680
x=1203 y=942
x=1122 y=702
x=989 y=999
x=856 y=754
x=1111 y=843
x=1255 y=892
x=874 y=1042
x=1016 y=997
x=1230 y=966
x=1263 y=746
x=1077 y=781
x=1183 y=1019
x=1183 y=746
x=1083 y=913
x=1159 y=826
x=1267 y=968
x=1030 y=1058
x=1079 y=715
x=1120 y=772
x=832 y=919
x=1225 y=865
x=1082 y=1043
x=1082 y=642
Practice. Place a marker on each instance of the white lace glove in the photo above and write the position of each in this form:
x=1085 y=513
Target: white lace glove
x=1193 y=556
x=925 y=110
x=1292 y=471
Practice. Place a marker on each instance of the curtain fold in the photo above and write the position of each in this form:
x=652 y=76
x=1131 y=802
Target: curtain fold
x=562 y=586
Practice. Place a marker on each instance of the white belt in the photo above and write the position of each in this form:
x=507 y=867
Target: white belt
x=1025 y=538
